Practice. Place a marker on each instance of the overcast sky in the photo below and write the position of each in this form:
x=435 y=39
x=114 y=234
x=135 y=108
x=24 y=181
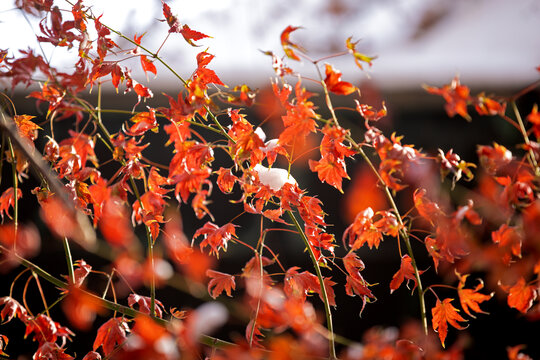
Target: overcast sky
x=487 y=42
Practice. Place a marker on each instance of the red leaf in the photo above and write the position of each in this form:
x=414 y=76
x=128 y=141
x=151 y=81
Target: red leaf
x=406 y=271
x=509 y=239
x=191 y=35
x=471 y=298
x=330 y=170
x=220 y=282
x=456 y=96
x=7 y=200
x=288 y=46
x=143 y=122
x=110 y=335
x=521 y=296
x=225 y=180
x=216 y=237
x=428 y=209
x=172 y=20
x=11 y=309
x=443 y=314
x=144 y=303
x=148 y=65
x=334 y=83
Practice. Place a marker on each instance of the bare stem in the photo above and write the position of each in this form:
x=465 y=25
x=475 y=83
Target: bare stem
x=531 y=157
x=69 y=260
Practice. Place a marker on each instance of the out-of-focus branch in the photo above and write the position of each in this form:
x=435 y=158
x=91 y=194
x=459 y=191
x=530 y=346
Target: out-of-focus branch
x=87 y=236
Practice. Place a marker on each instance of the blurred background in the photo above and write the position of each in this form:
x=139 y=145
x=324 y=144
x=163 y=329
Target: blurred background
x=493 y=45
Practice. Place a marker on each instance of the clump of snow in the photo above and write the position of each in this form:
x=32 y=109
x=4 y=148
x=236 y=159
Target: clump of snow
x=274 y=178
x=260 y=132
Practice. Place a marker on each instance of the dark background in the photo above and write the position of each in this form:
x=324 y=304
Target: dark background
x=416 y=115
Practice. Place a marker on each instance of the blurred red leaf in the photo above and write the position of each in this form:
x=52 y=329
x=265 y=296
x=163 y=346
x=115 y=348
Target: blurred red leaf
x=220 y=282
x=111 y=334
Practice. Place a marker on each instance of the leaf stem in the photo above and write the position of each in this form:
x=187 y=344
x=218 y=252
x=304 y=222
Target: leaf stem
x=531 y=157
x=69 y=261
x=324 y=295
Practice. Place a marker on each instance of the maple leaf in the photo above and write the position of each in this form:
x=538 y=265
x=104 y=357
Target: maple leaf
x=216 y=237
x=471 y=298
x=331 y=170
x=51 y=350
x=143 y=122
x=144 y=303
x=521 y=295
x=11 y=309
x=287 y=45
x=443 y=314
x=7 y=200
x=148 y=65
x=509 y=239
x=298 y=285
x=493 y=158
x=356 y=285
x=82 y=269
x=406 y=271
x=225 y=180
x=220 y=282
x=534 y=119
x=111 y=334
x=191 y=35
x=428 y=209
x=363 y=231
x=456 y=96
x=334 y=83
x=369 y=113
x=358 y=57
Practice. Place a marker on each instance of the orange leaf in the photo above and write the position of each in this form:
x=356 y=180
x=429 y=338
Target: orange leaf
x=330 y=170
x=406 y=271
x=220 y=282
x=334 y=83
x=111 y=334
x=288 y=46
x=147 y=65
x=215 y=237
x=443 y=314
x=470 y=298
x=521 y=296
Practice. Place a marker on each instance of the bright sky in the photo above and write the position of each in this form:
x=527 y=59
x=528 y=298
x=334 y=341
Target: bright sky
x=489 y=42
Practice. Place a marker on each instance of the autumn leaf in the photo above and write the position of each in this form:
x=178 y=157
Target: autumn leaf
x=358 y=57
x=521 y=295
x=7 y=200
x=111 y=334
x=406 y=271
x=456 y=96
x=11 y=309
x=330 y=170
x=216 y=237
x=334 y=83
x=148 y=65
x=471 y=298
x=287 y=45
x=443 y=314
x=191 y=35
x=145 y=303
x=220 y=282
